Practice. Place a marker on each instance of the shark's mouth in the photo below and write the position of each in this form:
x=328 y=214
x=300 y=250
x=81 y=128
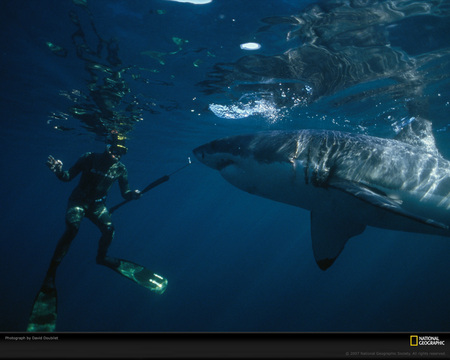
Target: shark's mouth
x=223 y=163
x=217 y=162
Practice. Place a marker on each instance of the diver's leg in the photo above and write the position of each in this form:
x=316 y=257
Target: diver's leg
x=101 y=218
x=130 y=270
x=74 y=215
x=44 y=312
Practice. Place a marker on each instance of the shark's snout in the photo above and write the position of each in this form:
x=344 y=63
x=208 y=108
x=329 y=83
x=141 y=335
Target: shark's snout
x=209 y=156
x=199 y=153
x=206 y=155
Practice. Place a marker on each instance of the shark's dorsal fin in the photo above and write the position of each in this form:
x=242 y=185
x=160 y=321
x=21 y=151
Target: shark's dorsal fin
x=330 y=230
x=418 y=132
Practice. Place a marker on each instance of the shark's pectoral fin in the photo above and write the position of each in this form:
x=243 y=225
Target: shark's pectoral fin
x=381 y=200
x=330 y=230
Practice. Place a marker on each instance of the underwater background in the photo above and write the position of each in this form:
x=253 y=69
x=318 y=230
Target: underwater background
x=171 y=76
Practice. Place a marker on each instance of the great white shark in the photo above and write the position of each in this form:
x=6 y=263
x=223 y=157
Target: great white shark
x=348 y=181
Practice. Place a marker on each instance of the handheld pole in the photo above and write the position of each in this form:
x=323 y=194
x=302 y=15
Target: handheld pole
x=152 y=185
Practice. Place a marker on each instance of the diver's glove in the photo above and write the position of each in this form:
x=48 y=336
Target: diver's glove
x=134 y=195
x=54 y=165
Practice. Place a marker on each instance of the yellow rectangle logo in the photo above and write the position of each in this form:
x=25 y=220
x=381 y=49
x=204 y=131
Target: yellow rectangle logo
x=414 y=340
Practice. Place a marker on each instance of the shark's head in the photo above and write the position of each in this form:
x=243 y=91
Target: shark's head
x=263 y=148
x=256 y=163
x=219 y=154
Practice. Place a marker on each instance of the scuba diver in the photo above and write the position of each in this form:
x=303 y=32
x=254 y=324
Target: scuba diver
x=98 y=172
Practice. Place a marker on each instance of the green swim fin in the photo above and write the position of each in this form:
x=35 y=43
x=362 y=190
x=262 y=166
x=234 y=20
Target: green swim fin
x=43 y=315
x=139 y=275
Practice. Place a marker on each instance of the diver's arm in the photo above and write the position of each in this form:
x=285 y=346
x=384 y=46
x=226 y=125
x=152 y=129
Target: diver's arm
x=56 y=167
x=127 y=194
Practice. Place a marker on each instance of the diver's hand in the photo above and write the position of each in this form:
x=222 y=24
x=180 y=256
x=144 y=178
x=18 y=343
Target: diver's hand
x=54 y=165
x=136 y=194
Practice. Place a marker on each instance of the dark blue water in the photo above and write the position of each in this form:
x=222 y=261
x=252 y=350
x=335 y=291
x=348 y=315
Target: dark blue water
x=235 y=262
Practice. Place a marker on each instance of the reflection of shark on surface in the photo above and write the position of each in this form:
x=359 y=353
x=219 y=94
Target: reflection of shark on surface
x=347 y=181
x=343 y=44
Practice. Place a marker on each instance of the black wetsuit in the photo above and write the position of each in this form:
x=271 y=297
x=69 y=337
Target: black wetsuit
x=98 y=173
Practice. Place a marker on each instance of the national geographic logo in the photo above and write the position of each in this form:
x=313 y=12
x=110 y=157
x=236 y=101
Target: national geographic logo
x=416 y=340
